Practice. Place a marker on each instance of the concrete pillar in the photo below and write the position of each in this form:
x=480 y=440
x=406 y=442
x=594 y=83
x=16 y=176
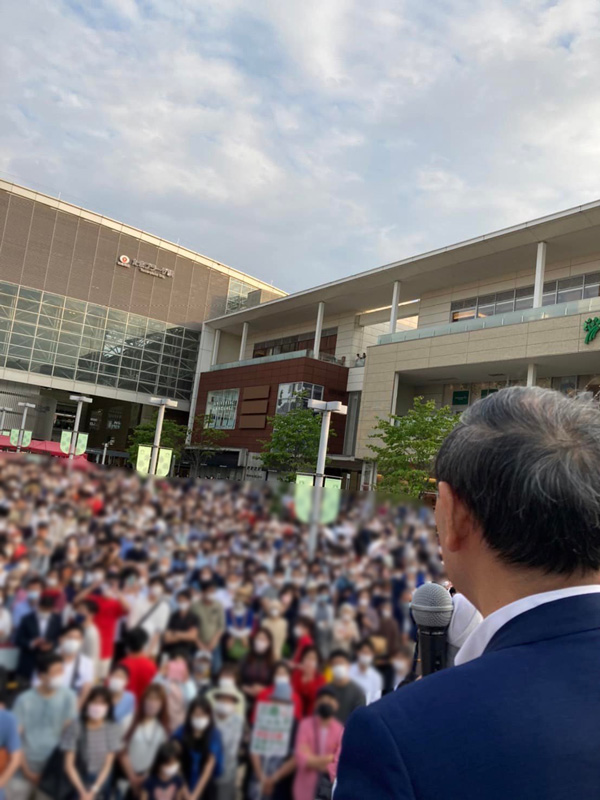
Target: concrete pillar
x=531 y=374
x=319 y=329
x=215 y=350
x=540 y=271
x=243 y=341
x=394 y=309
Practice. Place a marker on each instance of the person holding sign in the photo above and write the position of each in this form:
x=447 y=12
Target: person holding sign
x=318 y=740
x=272 y=747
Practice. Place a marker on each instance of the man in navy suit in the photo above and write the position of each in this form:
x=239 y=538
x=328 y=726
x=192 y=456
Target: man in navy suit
x=517 y=718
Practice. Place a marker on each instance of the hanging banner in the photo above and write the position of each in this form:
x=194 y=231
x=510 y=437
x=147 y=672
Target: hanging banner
x=65 y=442
x=14 y=436
x=81 y=444
x=143 y=459
x=163 y=464
x=330 y=502
x=303 y=496
x=26 y=438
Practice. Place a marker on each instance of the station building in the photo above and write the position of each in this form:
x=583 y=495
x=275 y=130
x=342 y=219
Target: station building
x=519 y=306
x=92 y=306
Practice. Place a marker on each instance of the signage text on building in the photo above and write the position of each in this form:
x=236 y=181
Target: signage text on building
x=144 y=266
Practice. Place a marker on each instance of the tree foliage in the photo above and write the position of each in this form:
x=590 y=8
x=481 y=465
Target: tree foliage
x=173 y=436
x=409 y=444
x=205 y=442
x=294 y=443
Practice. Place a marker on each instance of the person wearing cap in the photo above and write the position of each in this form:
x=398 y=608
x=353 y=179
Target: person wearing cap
x=317 y=742
x=230 y=724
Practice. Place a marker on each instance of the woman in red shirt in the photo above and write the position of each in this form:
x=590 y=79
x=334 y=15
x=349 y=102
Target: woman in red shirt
x=307 y=680
x=303 y=636
x=282 y=674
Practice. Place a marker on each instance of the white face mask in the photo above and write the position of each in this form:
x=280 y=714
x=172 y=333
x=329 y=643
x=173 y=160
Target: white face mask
x=227 y=683
x=282 y=680
x=170 y=770
x=340 y=672
x=56 y=682
x=96 y=711
x=400 y=668
x=117 y=685
x=200 y=723
x=298 y=632
x=183 y=607
x=156 y=591
x=261 y=646
x=223 y=708
x=70 y=646
x=365 y=660
x=386 y=613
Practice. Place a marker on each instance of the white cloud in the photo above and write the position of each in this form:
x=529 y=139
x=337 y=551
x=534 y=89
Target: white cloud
x=302 y=141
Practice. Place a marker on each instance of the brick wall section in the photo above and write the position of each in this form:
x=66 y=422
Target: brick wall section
x=333 y=377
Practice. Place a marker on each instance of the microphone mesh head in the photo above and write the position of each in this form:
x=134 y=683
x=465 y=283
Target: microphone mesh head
x=431 y=606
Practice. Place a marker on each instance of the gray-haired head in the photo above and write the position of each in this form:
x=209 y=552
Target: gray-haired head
x=526 y=463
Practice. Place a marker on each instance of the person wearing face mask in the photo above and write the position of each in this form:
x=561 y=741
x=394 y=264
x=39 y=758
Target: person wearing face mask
x=303 y=637
x=364 y=674
x=399 y=671
x=85 y=613
x=256 y=670
x=282 y=676
x=278 y=626
x=165 y=781
x=389 y=629
x=142 y=669
x=144 y=738
x=182 y=629
x=348 y=694
x=345 y=629
x=271 y=777
x=324 y=619
x=211 y=622
x=239 y=622
x=201 y=669
x=230 y=724
x=156 y=616
x=318 y=740
x=202 y=750
x=123 y=700
x=21 y=607
x=78 y=671
x=367 y=618
x=38 y=632
x=96 y=739
x=42 y=714
x=6 y=625
x=308 y=680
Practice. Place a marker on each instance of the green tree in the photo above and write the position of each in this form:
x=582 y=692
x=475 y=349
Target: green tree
x=173 y=436
x=409 y=444
x=294 y=443
x=206 y=440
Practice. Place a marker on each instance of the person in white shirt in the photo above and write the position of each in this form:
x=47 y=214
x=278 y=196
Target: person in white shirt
x=157 y=615
x=78 y=672
x=364 y=674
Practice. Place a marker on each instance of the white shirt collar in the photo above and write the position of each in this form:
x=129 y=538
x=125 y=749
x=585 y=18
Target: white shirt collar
x=478 y=640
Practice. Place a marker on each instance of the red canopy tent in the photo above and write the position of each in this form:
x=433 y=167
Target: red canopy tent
x=38 y=447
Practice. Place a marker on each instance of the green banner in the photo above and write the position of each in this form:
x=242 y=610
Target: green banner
x=81 y=444
x=26 y=438
x=14 y=436
x=303 y=498
x=330 y=502
x=143 y=459
x=65 y=442
x=163 y=464
x=304 y=479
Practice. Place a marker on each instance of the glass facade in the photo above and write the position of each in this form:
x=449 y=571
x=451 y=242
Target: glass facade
x=296 y=395
x=237 y=295
x=51 y=334
x=565 y=290
x=221 y=409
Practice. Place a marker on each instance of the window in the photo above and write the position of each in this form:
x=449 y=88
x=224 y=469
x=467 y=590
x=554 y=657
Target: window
x=237 y=295
x=221 y=409
x=296 y=395
x=292 y=344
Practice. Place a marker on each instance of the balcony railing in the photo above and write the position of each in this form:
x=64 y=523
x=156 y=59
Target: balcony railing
x=248 y=362
x=497 y=321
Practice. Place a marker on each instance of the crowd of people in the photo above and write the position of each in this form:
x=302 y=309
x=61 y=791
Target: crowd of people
x=173 y=641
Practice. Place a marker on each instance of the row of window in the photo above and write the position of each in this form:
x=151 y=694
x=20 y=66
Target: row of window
x=293 y=344
x=237 y=295
x=565 y=290
x=222 y=404
x=51 y=334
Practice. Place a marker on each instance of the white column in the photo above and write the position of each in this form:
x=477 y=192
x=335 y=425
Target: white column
x=319 y=329
x=215 y=350
x=157 y=433
x=531 y=374
x=243 y=341
x=540 y=270
x=394 y=309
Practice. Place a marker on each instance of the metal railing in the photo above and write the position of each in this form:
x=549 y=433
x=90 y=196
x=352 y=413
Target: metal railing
x=280 y=357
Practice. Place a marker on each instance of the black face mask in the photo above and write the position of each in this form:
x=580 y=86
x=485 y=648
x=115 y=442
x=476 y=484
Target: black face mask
x=325 y=711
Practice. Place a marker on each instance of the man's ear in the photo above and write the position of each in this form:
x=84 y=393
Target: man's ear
x=456 y=519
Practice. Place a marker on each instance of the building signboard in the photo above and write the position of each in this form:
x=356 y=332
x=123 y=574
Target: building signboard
x=144 y=266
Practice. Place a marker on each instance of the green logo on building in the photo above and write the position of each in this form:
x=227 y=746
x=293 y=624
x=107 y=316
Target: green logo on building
x=591 y=327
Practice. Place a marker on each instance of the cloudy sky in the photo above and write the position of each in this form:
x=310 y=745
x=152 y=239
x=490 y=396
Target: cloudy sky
x=303 y=140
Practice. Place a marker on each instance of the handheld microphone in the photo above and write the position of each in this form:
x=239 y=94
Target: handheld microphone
x=432 y=608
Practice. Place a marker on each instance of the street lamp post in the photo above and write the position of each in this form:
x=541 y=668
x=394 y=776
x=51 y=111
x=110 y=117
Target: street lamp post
x=25 y=407
x=4 y=411
x=162 y=403
x=80 y=399
x=326 y=410
x=107 y=444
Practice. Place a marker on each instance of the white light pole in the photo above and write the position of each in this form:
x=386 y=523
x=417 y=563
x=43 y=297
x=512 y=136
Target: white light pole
x=80 y=399
x=25 y=407
x=107 y=444
x=5 y=410
x=162 y=403
x=326 y=409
